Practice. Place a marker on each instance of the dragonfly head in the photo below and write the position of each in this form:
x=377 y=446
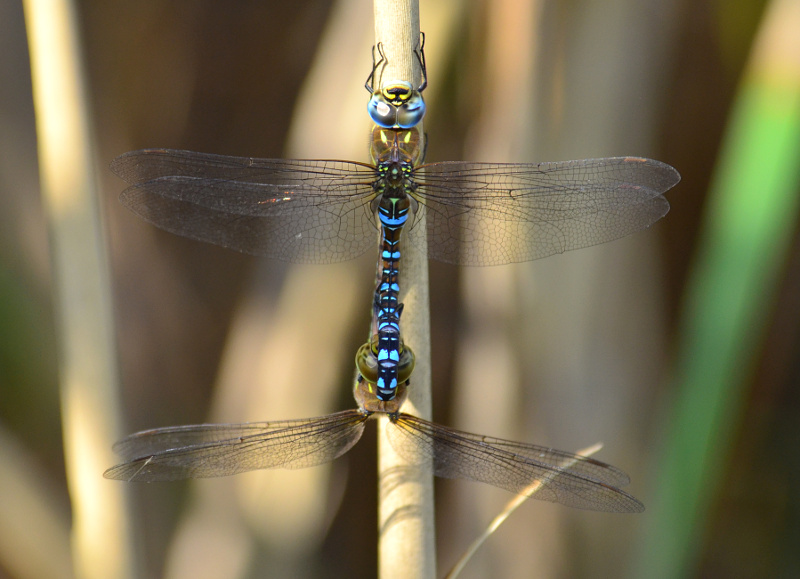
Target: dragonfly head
x=396 y=106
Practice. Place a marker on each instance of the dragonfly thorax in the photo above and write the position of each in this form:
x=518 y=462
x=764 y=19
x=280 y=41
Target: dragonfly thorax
x=389 y=145
x=395 y=175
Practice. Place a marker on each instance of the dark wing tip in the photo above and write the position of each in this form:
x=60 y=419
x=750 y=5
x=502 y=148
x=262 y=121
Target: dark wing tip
x=126 y=471
x=120 y=165
x=628 y=504
x=664 y=176
x=126 y=166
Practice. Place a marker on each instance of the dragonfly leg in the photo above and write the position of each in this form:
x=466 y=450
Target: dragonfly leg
x=375 y=65
x=420 y=52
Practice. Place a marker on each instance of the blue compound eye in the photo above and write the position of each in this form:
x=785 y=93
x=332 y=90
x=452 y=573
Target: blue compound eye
x=396 y=116
x=411 y=113
x=382 y=113
x=396 y=106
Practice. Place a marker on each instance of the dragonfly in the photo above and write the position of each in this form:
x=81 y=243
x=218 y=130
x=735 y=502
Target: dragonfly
x=213 y=450
x=324 y=211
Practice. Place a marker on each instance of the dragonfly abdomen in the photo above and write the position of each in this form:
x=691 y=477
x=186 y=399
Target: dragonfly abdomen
x=393 y=213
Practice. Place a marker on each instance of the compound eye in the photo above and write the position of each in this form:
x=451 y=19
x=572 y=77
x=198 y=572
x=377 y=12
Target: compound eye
x=382 y=113
x=406 y=366
x=411 y=113
x=367 y=363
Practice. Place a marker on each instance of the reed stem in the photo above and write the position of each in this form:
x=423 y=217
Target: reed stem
x=88 y=377
x=406 y=546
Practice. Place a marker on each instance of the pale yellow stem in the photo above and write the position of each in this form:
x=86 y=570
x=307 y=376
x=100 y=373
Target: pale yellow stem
x=87 y=355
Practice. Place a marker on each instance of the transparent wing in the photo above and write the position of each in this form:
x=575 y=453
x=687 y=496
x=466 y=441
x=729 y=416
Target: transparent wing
x=490 y=214
x=210 y=450
x=571 y=480
x=301 y=211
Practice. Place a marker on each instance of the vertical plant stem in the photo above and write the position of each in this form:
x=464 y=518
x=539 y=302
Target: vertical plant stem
x=87 y=356
x=406 y=541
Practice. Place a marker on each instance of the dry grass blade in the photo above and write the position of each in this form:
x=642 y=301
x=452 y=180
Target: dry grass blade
x=512 y=506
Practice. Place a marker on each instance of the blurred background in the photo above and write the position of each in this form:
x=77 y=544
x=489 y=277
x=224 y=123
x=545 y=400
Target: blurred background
x=677 y=347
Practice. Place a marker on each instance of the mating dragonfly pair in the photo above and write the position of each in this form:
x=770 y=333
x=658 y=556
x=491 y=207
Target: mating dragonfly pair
x=319 y=211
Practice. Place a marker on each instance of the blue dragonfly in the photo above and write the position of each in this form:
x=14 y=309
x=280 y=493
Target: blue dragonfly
x=396 y=105
x=213 y=450
x=324 y=211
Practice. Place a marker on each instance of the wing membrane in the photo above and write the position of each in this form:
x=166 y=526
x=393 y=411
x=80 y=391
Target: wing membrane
x=300 y=211
x=211 y=450
x=320 y=211
x=490 y=213
x=563 y=478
